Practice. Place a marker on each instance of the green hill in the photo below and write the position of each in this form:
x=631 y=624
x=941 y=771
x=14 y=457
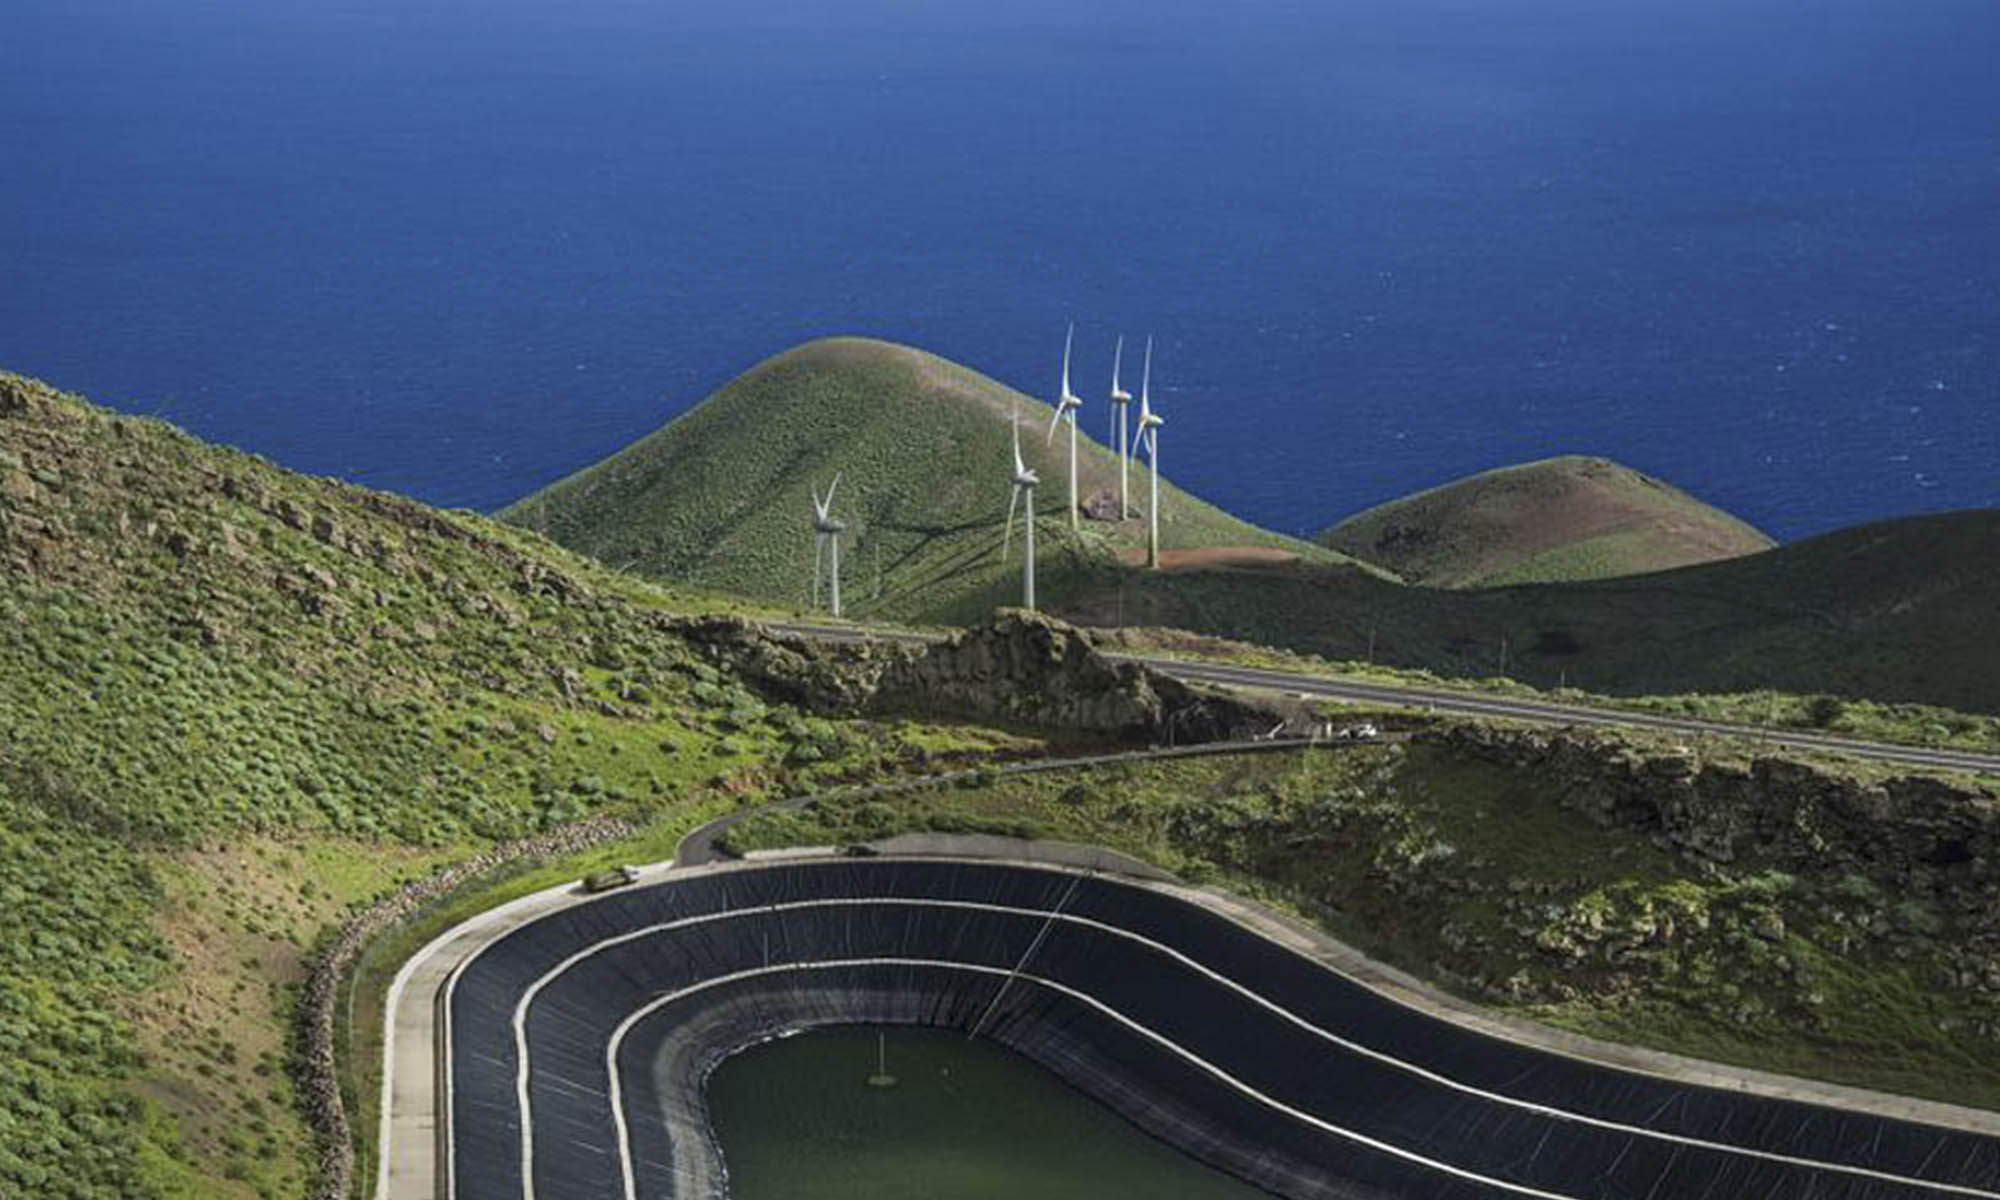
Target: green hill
x=720 y=497
x=234 y=700
x=1558 y=519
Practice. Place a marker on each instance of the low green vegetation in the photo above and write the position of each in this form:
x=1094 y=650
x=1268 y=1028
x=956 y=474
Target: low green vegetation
x=1553 y=521
x=1469 y=875
x=235 y=701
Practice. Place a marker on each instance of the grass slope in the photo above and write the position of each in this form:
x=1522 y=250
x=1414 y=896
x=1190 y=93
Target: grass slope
x=1558 y=519
x=1900 y=610
x=234 y=700
x=720 y=497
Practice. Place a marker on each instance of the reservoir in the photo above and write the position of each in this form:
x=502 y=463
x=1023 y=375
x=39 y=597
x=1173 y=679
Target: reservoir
x=964 y=1120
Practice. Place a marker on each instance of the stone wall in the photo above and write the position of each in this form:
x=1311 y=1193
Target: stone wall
x=317 y=1064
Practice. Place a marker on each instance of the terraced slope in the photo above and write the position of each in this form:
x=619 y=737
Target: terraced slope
x=720 y=497
x=1565 y=518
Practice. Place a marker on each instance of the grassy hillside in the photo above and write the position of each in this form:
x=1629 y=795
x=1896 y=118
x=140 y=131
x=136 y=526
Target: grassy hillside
x=721 y=497
x=233 y=700
x=1558 y=519
x=1900 y=610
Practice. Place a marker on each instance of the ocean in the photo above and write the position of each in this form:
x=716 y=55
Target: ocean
x=458 y=249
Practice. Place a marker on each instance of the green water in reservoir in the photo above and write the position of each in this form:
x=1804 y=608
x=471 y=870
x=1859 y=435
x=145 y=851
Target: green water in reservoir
x=965 y=1120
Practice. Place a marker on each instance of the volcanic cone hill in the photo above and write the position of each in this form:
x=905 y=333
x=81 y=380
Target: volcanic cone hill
x=721 y=497
x=1558 y=519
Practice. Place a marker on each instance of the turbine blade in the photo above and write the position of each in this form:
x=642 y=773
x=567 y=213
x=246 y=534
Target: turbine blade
x=1146 y=383
x=1117 y=360
x=1068 y=339
x=830 y=489
x=1007 y=539
x=1055 y=419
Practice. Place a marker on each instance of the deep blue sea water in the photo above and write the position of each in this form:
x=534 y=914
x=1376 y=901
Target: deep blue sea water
x=458 y=248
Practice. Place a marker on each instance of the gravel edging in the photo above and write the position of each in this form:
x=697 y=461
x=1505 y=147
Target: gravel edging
x=316 y=1068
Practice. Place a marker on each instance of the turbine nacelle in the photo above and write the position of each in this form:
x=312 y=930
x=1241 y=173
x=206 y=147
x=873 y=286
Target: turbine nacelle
x=1148 y=419
x=823 y=519
x=826 y=544
x=1023 y=477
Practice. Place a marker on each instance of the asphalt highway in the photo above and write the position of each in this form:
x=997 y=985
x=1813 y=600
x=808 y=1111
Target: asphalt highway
x=1322 y=687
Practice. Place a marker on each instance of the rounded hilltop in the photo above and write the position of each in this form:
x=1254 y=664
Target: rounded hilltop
x=1557 y=519
x=721 y=496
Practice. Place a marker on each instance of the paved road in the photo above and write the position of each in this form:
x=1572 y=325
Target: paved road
x=1322 y=687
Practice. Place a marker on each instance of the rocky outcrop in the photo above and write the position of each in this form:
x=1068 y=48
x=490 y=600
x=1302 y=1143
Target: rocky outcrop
x=1795 y=894
x=1020 y=668
x=1917 y=836
x=831 y=678
x=14 y=396
x=1026 y=668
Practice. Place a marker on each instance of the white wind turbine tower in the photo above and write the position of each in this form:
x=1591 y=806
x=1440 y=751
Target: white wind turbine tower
x=1067 y=405
x=1149 y=436
x=1122 y=399
x=826 y=537
x=1024 y=482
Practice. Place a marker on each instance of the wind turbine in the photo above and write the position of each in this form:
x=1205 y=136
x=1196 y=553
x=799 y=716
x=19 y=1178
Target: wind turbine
x=1122 y=399
x=1024 y=483
x=826 y=536
x=1067 y=406
x=1149 y=436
